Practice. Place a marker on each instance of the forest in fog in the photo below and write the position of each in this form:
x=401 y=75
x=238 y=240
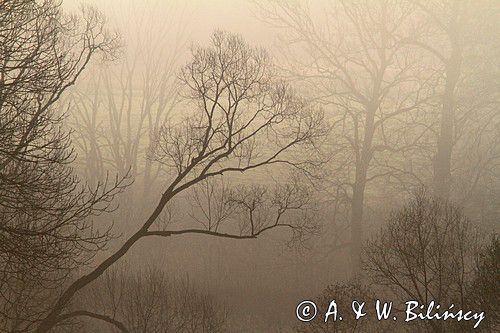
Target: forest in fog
x=208 y=166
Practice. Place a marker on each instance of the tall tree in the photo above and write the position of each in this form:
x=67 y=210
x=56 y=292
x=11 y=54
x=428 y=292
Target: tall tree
x=45 y=210
x=449 y=32
x=351 y=57
x=239 y=118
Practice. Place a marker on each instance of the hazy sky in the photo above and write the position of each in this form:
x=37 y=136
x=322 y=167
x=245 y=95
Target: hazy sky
x=199 y=17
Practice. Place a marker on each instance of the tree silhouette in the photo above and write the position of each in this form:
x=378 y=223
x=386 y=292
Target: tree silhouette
x=238 y=118
x=45 y=210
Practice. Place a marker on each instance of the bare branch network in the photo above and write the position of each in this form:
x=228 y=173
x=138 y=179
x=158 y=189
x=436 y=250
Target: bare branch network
x=238 y=118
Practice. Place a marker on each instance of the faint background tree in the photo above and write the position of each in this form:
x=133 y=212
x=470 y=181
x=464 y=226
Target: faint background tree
x=351 y=59
x=118 y=110
x=447 y=34
x=148 y=300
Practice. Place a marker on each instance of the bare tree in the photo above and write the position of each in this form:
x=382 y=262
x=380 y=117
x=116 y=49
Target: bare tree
x=448 y=32
x=149 y=301
x=428 y=251
x=425 y=253
x=484 y=291
x=119 y=110
x=46 y=212
x=235 y=105
x=353 y=61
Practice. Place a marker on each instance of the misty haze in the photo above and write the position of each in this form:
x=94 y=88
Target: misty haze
x=249 y=166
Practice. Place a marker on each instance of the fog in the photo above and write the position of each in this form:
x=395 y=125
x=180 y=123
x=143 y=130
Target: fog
x=206 y=166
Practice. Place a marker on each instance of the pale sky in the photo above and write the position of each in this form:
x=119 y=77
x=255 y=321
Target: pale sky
x=199 y=17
